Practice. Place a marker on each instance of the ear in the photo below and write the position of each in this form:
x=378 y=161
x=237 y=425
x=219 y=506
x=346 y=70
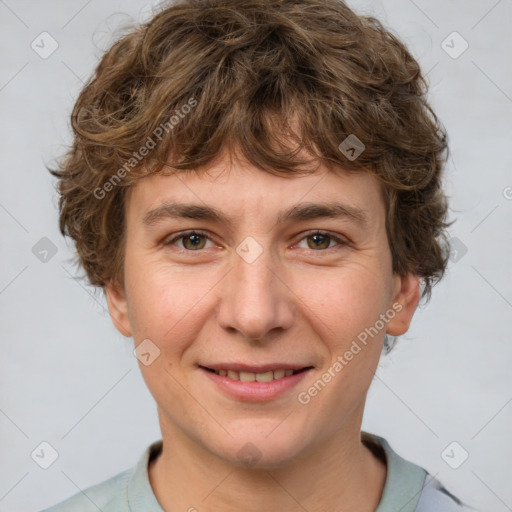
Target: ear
x=405 y=301
x=118 y=307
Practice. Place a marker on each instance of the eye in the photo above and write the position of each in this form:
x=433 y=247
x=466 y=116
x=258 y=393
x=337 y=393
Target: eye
x=196 y=240
x=192 y=240
x=321 y=240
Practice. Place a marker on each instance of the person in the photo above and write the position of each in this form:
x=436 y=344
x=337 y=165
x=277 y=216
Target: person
x=256 y=186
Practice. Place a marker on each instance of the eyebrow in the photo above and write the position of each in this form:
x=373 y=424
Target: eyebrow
x=301 y=212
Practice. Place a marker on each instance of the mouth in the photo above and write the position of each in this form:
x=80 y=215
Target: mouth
x=247 y=376
x=263 y=384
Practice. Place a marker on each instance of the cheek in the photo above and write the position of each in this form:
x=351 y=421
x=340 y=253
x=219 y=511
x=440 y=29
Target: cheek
x=344 y=301
x=148 y=294
x=165 y=303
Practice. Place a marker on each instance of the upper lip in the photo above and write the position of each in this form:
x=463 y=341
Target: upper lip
x=252 y=368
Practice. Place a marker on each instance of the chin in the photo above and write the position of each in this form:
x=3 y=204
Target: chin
x=259 y=450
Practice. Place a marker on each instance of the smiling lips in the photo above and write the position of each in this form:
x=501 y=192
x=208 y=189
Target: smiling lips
x=252 y=383
x=250 y=373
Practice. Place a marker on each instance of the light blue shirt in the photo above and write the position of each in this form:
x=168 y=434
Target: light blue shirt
x=408 y=487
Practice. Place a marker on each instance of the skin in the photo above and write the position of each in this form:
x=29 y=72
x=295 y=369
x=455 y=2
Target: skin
x=295 y=303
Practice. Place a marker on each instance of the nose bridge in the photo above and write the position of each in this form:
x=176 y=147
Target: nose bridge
x=253 y=300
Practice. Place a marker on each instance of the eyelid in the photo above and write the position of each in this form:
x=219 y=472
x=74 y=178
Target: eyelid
x=183 y=234
x=341 y=241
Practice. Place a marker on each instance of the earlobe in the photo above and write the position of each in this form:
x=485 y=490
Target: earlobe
x=405 y=302
x=118 y=307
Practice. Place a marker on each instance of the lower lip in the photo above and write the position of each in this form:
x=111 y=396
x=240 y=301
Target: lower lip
x=256 y=391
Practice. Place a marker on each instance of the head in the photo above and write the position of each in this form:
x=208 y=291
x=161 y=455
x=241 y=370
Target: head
x=258 y=116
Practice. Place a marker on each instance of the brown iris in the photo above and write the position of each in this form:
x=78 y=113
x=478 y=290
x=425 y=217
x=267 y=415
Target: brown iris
x=319 y=237
x=194 y=238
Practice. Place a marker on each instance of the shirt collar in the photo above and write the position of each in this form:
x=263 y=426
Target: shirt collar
x=401 y=493
x=140 y=492
x=404 y=480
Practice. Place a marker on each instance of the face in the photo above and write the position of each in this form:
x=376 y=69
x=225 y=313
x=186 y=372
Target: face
x=257 y=280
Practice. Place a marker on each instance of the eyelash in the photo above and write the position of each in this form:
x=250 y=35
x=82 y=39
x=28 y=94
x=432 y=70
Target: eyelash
x=184 y=234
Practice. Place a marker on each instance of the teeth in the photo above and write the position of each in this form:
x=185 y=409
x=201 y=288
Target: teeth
x=247 y=377
x=264 y=377
x=279 y=374
x=258 y=377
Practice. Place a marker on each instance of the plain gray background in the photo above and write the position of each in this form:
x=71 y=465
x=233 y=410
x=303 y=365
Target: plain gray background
x=67 y=377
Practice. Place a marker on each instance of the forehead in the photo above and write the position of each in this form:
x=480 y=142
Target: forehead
x=237 y=190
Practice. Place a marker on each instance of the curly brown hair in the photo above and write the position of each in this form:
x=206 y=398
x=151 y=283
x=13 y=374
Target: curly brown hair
x=269 y=78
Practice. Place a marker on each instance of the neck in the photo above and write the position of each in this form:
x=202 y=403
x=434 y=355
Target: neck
x=341 y=471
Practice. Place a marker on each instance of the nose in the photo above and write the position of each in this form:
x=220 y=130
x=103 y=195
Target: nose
x=255 y=299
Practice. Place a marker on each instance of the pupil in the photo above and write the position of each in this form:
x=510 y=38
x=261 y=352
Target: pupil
x=195 y=239
x=320 y=240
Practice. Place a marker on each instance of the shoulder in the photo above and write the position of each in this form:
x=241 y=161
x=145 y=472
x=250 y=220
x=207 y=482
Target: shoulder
x=126 y=491
x=436 y=498
x=409 y=487
x=110 y=495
